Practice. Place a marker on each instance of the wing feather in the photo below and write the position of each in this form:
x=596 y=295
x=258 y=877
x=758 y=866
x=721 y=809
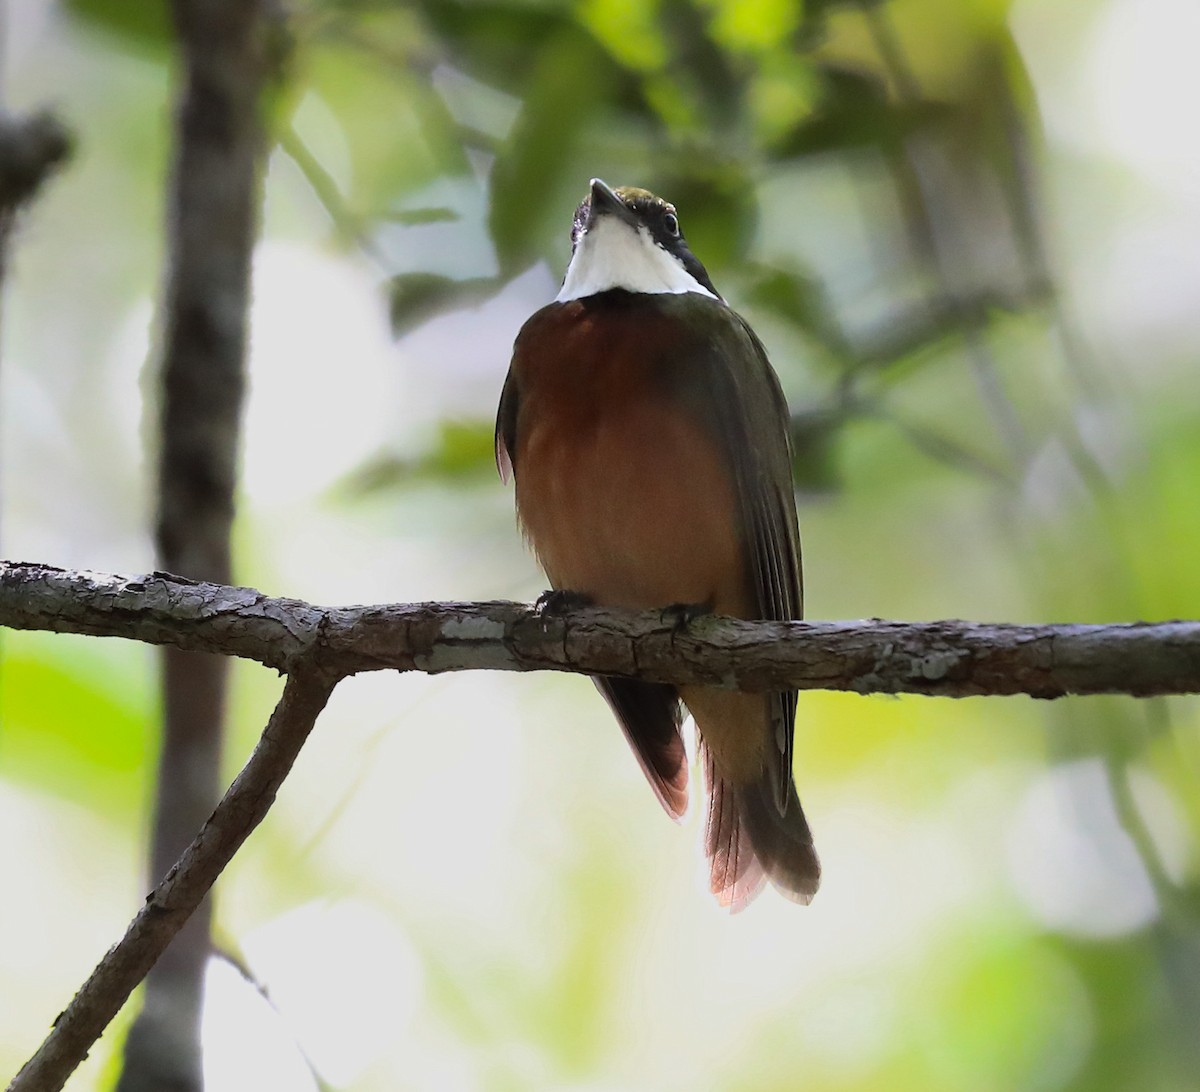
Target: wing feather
x=754 y=426
x=650 y=717
x=506 y=427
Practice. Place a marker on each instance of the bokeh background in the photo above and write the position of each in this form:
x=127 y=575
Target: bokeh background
x=968 y=232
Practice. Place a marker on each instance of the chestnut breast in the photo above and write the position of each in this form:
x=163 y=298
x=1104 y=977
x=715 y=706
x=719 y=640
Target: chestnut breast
x=624 y=493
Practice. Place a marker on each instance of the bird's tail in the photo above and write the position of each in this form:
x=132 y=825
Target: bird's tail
x=748 y=840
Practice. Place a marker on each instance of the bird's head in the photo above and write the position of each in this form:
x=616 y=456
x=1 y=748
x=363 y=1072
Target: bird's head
x=629 y=238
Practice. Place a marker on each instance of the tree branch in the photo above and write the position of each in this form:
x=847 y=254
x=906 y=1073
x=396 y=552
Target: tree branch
x=946 y=658
x=170 y=905
x=316 y=646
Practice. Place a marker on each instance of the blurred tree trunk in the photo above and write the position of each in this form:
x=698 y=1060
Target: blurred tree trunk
x=31 y=149
x=212 y=223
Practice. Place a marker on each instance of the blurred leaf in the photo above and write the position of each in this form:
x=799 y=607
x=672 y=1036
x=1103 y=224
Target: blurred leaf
x=951 y=452
x=461 y=449
x=702 y=66
x=814 y=435
x=420 y=144
x=814 y=28
x=443 y=136
x=418 y=297
x=754 y=26
x=141 y=25
x=630 y=31
x=409 y=217
x=76 y=716
x=782 y=95
x=797 y=298
x=1010 y=1010
x=495 y=42
x=899 y=342
x=572 y=79
x=32 y=148
x=576 y=1002
x=1130 y=1037
x=853 y=110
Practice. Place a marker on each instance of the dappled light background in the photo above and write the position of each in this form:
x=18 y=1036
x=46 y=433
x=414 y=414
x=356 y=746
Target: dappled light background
x=968 y=232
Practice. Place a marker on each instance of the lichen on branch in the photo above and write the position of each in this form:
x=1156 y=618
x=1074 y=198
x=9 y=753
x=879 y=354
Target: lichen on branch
x=943 y=658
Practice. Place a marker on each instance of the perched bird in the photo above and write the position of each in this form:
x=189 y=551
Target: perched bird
x=648 y=437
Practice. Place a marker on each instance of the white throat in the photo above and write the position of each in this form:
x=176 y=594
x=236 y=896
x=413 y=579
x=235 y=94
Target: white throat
x=615 y=254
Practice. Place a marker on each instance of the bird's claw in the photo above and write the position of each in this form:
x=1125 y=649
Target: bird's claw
x=559 y=601
x=681 y=615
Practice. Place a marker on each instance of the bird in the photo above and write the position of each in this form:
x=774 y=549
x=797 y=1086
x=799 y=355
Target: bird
x=647 y=436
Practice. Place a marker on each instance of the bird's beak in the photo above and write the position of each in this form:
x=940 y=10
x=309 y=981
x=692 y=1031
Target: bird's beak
x=604 y=202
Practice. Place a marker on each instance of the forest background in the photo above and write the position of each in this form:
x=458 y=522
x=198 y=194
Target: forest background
x=967 y=231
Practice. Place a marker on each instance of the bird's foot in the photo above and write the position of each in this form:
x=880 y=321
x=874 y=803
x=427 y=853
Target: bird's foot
x=681 y=615
x=559 y=601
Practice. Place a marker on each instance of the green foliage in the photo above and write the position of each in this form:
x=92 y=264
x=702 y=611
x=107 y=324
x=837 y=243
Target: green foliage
x=569 y=81
x=462 y=450
x=77 y=719
x=853 y=110
x=417 y=297
x=360 y=89
x=861 y=178
x=145 y=25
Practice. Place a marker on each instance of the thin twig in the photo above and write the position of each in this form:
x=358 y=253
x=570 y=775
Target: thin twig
x=350 y=226
x=177 y=896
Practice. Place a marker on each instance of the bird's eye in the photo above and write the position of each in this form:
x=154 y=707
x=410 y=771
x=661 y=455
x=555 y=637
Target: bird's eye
x=671 y=224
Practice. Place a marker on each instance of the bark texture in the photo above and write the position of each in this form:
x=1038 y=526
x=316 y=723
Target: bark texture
x=213 y=201
x=944 y=658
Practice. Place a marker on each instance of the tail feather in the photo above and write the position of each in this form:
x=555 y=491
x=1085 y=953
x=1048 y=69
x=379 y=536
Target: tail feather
x=748 y=840
x=735 y=874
